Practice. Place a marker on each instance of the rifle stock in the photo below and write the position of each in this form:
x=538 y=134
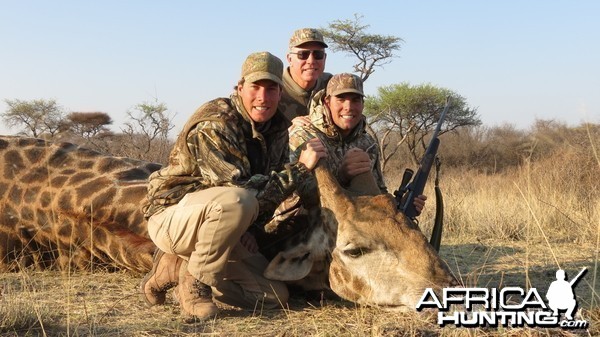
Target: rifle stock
x=417 y=185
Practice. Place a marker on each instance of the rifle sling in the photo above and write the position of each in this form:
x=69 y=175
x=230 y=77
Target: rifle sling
x=436 y=234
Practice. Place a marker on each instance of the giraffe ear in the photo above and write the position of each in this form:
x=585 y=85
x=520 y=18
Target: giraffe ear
x=290 y=265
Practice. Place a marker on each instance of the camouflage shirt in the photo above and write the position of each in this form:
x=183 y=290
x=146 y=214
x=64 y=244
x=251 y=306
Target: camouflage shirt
x=322 y=126
x=295 y=100
x=221 y=146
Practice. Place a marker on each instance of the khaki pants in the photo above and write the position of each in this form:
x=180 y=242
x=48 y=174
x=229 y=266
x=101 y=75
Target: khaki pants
x=204 y=228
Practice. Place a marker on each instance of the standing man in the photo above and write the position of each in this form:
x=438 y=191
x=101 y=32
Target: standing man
x=227 y=172
x=305 y=74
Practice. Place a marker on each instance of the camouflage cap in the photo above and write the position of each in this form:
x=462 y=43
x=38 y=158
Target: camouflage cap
x=304 y=35
x=345 y=83
x=262 y=66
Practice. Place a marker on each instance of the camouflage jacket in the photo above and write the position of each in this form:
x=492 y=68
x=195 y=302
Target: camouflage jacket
x=295 y=100
x=221 y=146
x=322 y=126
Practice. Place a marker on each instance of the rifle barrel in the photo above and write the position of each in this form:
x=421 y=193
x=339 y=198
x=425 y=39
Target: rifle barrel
x=573 y=280
x=438 y=127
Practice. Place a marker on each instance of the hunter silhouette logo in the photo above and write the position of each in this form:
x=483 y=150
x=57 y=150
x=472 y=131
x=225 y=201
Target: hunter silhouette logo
x=508 y=307
x=560 y=294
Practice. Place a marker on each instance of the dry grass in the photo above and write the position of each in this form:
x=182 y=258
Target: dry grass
x=512 y=229
x=51 y=303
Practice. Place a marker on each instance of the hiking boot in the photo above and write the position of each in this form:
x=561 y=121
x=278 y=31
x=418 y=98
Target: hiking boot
x=163 y=276
x=195 y=297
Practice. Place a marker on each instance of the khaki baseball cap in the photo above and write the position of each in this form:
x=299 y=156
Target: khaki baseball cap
x=345 y=83
x=304 y=35
x=262 y=66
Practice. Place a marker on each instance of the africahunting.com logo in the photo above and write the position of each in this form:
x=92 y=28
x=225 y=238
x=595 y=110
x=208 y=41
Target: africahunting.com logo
x=508 y=307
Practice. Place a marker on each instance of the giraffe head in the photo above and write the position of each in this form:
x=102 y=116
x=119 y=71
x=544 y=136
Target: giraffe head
x=379 y=257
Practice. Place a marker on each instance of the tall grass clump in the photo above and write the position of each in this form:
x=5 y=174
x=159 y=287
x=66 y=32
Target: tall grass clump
x=20 y=312
x=553 y=197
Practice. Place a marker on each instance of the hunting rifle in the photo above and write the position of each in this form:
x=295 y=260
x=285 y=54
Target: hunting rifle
x=576 y=278
x=409 y=189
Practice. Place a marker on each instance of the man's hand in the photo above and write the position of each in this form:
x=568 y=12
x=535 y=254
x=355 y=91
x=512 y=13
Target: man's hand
x=419 y=203
x=249 y=242
x=299 y=121
x=355 y=162
x=312 y=152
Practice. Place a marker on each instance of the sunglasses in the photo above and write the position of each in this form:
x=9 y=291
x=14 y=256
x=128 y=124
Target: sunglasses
x=304 y=54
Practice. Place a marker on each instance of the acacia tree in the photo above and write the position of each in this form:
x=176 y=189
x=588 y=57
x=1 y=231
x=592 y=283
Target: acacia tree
x=36 y=117
x=371 y=50
x=401 y=114
x=147 y=132
x=88 y=124
x=410 y=113
x=91 y=127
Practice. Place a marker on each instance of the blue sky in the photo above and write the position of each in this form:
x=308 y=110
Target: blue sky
x=514 y=61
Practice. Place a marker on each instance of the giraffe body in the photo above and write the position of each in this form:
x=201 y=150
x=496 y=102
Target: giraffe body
x=63 y=205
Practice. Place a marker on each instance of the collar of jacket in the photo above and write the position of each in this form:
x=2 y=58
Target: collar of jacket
x=293 y=88
x=296 y=91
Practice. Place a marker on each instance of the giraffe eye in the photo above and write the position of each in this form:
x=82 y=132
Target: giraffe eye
x=355 y=252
